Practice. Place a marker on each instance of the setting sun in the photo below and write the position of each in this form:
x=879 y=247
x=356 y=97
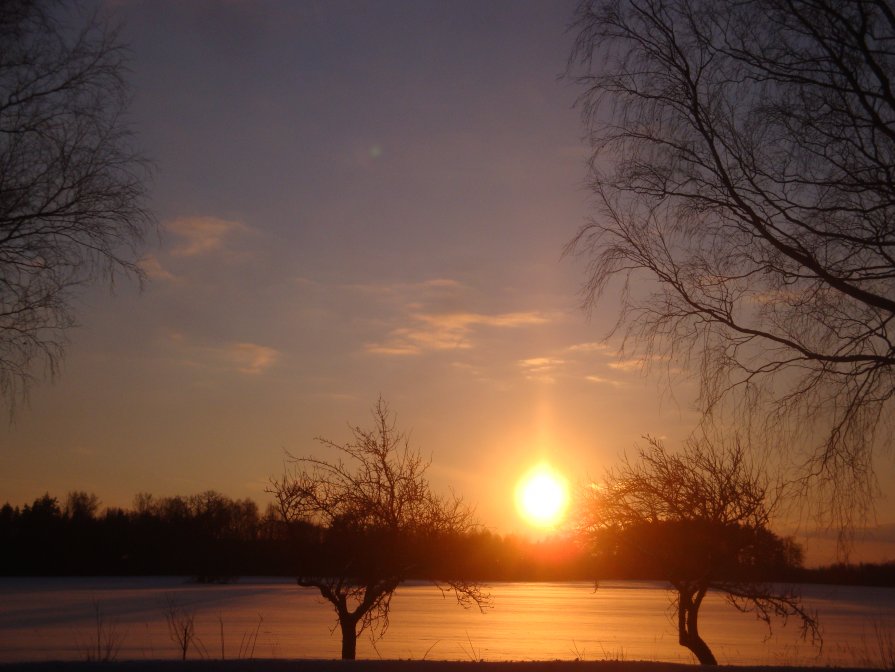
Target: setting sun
x=542 y=497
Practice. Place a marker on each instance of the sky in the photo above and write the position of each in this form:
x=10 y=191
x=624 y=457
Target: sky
x=355 y=200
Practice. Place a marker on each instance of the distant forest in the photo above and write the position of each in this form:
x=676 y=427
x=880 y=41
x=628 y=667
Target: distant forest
x=213 y=538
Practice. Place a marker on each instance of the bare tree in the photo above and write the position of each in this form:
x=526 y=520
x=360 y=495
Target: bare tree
x=376 y=515
x=71 y=185
x=742 y=162
x=700 y=520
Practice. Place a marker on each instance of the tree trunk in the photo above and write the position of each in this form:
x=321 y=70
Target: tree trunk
x=688 y=625
x=349 y=638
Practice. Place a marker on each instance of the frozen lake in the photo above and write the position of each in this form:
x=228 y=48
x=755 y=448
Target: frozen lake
x=54 y=618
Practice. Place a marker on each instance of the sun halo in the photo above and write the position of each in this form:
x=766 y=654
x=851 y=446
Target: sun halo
x=542 y=497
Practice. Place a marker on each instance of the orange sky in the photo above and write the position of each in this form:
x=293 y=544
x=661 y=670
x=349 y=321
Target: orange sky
x=354 y=200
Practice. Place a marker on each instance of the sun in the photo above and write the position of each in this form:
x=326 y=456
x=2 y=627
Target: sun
x=542 y=497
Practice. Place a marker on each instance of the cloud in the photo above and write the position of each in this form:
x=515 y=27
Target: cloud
x=250 y=358
x=426 y=290
x=447 y=331
x=546 y=369
x=397 y=349
x=589 y=347
x=201 y=235
x=638 y=363
x=154 y=270
x=573 y=361
x=600 y=380
x=627 y=364
x=433 y=315
x=540 y=363
x=241 y=357
x=541 y=368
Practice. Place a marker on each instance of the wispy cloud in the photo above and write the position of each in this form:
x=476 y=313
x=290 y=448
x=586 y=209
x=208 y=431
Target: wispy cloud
x=414 y=292
x=434 y=315
x=447 y=331
x=250 y=358
x=589 y=347
x=201 y=235
x=627 y=364
x=637 y=363
x=394 y=348
x=580 y=361
x=602 y=380
x=154 y=270
x=542 y=369
x=240 y=357
x=548 y=369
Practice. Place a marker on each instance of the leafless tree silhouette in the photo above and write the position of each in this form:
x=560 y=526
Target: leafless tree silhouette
x=700 y=519
x=742 y=163
x=374 y=507
x=71 y=184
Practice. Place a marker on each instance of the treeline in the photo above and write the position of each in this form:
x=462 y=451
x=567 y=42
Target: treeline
x=202 y=535
x=861 y=574
x=214 y=538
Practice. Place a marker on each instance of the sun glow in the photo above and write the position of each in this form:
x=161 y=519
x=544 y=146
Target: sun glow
x=542 y=497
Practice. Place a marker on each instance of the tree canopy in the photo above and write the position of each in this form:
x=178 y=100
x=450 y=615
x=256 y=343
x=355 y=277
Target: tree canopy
x=71 y=182
x=377 y=517
x=700 y=519
x=742 y=163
